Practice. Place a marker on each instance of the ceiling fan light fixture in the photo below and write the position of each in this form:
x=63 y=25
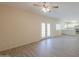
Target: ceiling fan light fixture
x=48 y=9
x=45 y=9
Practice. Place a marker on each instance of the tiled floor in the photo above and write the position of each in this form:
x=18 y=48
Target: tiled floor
x=63 y=46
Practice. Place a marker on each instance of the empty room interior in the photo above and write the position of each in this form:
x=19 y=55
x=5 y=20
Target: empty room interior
x=39 y=29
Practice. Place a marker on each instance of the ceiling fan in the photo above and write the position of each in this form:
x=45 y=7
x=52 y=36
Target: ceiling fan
x=46 y=7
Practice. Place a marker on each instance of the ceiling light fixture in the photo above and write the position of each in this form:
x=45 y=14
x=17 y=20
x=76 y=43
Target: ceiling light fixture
x=45 y=9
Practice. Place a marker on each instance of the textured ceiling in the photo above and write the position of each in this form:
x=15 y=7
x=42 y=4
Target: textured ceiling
x=66 y=10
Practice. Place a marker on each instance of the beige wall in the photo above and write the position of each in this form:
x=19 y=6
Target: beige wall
x=18 y=27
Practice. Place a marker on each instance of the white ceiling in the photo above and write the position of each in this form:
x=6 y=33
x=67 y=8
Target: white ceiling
x=66 y=10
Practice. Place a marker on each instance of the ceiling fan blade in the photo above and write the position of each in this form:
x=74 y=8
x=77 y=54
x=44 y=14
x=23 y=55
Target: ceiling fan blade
x=44 y=3
x=55 y=7
x=37 y=5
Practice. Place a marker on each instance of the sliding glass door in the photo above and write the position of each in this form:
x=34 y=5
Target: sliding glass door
x=45 y=30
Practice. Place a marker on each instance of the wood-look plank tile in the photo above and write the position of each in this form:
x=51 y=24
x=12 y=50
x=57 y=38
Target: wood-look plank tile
x=63 y=46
